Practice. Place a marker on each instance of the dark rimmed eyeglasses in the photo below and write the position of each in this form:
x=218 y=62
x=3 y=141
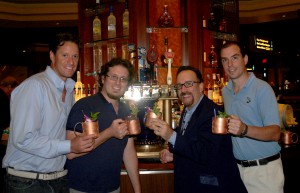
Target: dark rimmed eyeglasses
x=187 y=84
x=116 y=78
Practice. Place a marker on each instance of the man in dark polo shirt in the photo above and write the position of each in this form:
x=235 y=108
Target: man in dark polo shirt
x=99 y=170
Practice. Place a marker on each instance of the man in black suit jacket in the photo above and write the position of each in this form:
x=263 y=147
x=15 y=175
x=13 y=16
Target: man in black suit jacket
x=203 y=161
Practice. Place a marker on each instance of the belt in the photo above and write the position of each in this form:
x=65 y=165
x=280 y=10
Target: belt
x=38 y=176
x=263 y=161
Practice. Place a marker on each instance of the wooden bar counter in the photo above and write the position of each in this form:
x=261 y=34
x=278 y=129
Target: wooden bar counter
x=155 y=177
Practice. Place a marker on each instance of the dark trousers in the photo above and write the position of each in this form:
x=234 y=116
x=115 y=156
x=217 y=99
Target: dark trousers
x=15 y=184
x=2 y=170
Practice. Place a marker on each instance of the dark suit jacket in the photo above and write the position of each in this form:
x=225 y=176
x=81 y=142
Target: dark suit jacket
x=203 y=161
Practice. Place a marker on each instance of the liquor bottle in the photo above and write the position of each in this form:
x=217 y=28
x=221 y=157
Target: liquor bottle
x=212 y=23
x=216 y=89
x=111 y=23
x=223 y=25
x=126 y=20
x=203 y=21
x=97 y=59
x=83 y=91
x=114 y=50
x=166 y=20
x=212 y=57
x=208 y=88
x=221 y=85
x=94 y=89
x=96 y=27
x=78 y=87
x=89 y=90
x=111 y=51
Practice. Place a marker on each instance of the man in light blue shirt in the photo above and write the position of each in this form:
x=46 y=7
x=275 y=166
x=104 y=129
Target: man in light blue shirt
x=39 y=109
x=254 y=123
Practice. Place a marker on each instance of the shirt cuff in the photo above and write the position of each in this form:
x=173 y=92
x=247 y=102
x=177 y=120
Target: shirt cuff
x=64 y=147
x=172 y=139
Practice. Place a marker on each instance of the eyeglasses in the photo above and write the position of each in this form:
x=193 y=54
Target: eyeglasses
x=187 y=84
x=116 y=78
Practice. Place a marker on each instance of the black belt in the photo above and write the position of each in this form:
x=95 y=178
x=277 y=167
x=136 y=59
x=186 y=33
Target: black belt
x=263 y=161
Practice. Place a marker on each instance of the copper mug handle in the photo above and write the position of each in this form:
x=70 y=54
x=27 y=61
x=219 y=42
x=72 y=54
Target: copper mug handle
x=89 y=128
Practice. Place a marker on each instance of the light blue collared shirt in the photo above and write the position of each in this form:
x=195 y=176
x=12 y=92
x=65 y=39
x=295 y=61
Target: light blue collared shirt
x=37 y=140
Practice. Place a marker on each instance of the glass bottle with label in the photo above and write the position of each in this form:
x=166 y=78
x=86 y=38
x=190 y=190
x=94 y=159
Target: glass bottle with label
x=96 y=27
x=212 y=23
x=212 y=57
x=208 y=88
x=111 y=23
x=126 y=20
x=216 y=89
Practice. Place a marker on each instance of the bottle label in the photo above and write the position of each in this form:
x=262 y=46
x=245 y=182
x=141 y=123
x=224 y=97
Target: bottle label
x=111 y=28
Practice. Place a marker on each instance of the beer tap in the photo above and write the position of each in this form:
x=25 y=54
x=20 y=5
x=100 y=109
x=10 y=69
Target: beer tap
x=132 y=91
x=141 y=90
x=150 y=90
x=159 y=91
x=169 y=90
x=169 y=59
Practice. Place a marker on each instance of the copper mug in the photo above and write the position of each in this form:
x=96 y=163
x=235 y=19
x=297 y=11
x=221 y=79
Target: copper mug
x=151 y=115
x=219 y=125
x=133 y=124
x=289 y=137
x=89 y=128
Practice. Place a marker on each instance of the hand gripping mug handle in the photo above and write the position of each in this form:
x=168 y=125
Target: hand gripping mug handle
x=75 y=128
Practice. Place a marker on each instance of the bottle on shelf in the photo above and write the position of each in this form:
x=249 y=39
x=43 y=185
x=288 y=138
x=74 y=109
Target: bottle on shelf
x=166 y=20
x=126 y=20
x=223 y=25
x=203 y=21
x=208 y=88
x=89 y=90
x=222 y=85
x=78 y=87
x=212 y=23
x=83 y=91
x=212 y=57
x=216 y=89
x=96 y=27
x=220 y=82
x=223 y=22
x=94 y=89
x=97 y=59
x=111 y=23
x=111 y=51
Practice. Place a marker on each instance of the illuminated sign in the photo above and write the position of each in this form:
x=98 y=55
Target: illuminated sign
x=263 y=44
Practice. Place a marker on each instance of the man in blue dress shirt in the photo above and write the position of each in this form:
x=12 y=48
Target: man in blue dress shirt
x=37 y=146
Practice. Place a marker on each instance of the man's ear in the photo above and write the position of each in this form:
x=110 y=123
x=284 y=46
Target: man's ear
x=246 y=59
x=201 y=87
x=52 y=57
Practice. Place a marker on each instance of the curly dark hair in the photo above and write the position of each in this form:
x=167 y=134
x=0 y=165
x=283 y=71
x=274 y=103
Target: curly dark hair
x=115 y=62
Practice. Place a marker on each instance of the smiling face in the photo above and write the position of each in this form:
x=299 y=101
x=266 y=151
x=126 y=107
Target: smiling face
x=233 y=62
x=115 y=82
x=191 y=95
x=65 y=61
